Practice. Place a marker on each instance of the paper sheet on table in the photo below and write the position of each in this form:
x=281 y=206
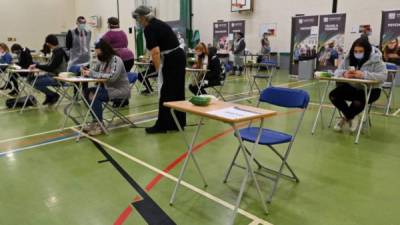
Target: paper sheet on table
x=77 y=79
x=232 y=113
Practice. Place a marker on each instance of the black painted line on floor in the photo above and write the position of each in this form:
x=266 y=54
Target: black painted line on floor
x=147 y=207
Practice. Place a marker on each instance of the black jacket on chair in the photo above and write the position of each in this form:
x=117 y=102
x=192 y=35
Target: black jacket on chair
x=213 y=76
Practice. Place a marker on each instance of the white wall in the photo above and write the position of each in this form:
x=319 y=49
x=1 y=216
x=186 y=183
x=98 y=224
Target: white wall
x=268 y=11
x=30 y=21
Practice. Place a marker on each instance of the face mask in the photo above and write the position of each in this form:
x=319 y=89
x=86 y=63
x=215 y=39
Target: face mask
x=82 y=26
x=359 y=55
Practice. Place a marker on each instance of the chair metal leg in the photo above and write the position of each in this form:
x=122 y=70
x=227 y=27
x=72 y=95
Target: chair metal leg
x=228 y=171
x=332 y=117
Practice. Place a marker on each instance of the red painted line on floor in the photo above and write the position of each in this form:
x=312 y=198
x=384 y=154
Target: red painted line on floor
x=124 y=215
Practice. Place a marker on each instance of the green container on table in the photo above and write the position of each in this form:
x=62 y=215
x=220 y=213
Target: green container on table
x=200 y=100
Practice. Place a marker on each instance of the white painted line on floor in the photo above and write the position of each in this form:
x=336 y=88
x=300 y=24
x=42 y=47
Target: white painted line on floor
x=175 y=179
x=35 y=146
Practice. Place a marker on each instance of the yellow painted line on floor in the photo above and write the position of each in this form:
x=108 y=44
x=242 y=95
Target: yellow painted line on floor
x=175 y=179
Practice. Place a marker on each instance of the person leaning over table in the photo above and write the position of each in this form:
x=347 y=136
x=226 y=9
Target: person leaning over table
x=57 y=64
x=213 y=75
x=201 y=52
x=170 y=62
x=363 y=62
x=5 y=58
x=24 y=60
x=112 y=68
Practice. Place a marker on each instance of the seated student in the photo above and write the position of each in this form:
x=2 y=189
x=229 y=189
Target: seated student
x=201 y=52
x=5 y=58
x=363 y=62
x=213 y=76
x=110 y=67
x=24 y=58
x=57 y=64
x=151 y=73
x=391 y=53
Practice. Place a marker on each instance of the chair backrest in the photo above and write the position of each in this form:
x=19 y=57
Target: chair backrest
x=75 y=69
x=391 y=66
x=285 y=97
x=132 y=77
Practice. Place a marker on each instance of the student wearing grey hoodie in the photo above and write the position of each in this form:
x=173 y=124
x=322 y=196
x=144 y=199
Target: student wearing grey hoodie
x=110 y=67
x=363 y=62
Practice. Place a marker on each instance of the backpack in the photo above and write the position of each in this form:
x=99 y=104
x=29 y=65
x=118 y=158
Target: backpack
x=20 y=102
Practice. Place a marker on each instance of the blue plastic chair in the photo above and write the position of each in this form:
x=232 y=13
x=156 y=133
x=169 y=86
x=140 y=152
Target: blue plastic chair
x=270 y=70
x=282 y=97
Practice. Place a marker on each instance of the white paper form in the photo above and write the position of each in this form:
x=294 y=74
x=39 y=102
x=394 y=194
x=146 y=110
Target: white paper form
x=233 y=113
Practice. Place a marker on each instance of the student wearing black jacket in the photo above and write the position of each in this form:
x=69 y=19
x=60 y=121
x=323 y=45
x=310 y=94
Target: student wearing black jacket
x=57 y=64
x=213 y=76
x=24 y=58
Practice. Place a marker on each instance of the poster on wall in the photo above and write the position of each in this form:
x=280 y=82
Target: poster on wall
x=390 y=36
x=241 y=5
x=237 y=26
x=179 y=28
x=220 y=34
x=331 y=41
x=303 y=40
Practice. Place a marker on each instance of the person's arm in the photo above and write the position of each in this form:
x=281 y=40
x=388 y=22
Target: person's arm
x=378 y=72
x=69 y=40
x=156 y=57
x=342 y=68
x=8 y=58
x=55 y=61
x=116 y=69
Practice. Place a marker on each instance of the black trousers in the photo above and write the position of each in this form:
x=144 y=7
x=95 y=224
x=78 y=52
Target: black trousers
x=345 y=92
x=129 y=64
x=173 y=89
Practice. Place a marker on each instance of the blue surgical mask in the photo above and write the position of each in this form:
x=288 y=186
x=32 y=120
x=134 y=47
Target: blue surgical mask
x=82 y=27
x=359 y=55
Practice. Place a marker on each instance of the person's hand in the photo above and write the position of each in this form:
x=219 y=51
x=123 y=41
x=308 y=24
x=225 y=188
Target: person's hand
x=32 y=67
x=348 y=74
x=85 y=72
x=358 y=74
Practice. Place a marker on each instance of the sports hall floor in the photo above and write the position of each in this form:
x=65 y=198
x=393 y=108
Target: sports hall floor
x=48 y=178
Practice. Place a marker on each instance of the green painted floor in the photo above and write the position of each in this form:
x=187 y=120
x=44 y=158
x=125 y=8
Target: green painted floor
x=48 y=178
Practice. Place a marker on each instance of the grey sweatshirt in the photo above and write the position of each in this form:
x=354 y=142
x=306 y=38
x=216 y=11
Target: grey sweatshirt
x=374 y=68
x=117 y=83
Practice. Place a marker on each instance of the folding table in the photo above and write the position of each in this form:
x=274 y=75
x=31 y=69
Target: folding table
x=145 y=67
x=75 y=81
x=366 y=84
x=232 y=114
x=195 y=74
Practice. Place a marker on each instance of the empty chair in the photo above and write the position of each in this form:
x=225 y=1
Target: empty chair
x=282 y=97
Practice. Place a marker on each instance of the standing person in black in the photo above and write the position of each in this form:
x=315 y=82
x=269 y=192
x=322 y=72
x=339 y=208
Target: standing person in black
x=24 y=61
x=170 y=62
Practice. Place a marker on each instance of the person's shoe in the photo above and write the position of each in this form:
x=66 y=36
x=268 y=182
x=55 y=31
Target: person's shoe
x=89 y=127
x=354 y=123
x=155 y=130
x=54 y=99
x=13 y=93
x=96 y=130
x=339 y=125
